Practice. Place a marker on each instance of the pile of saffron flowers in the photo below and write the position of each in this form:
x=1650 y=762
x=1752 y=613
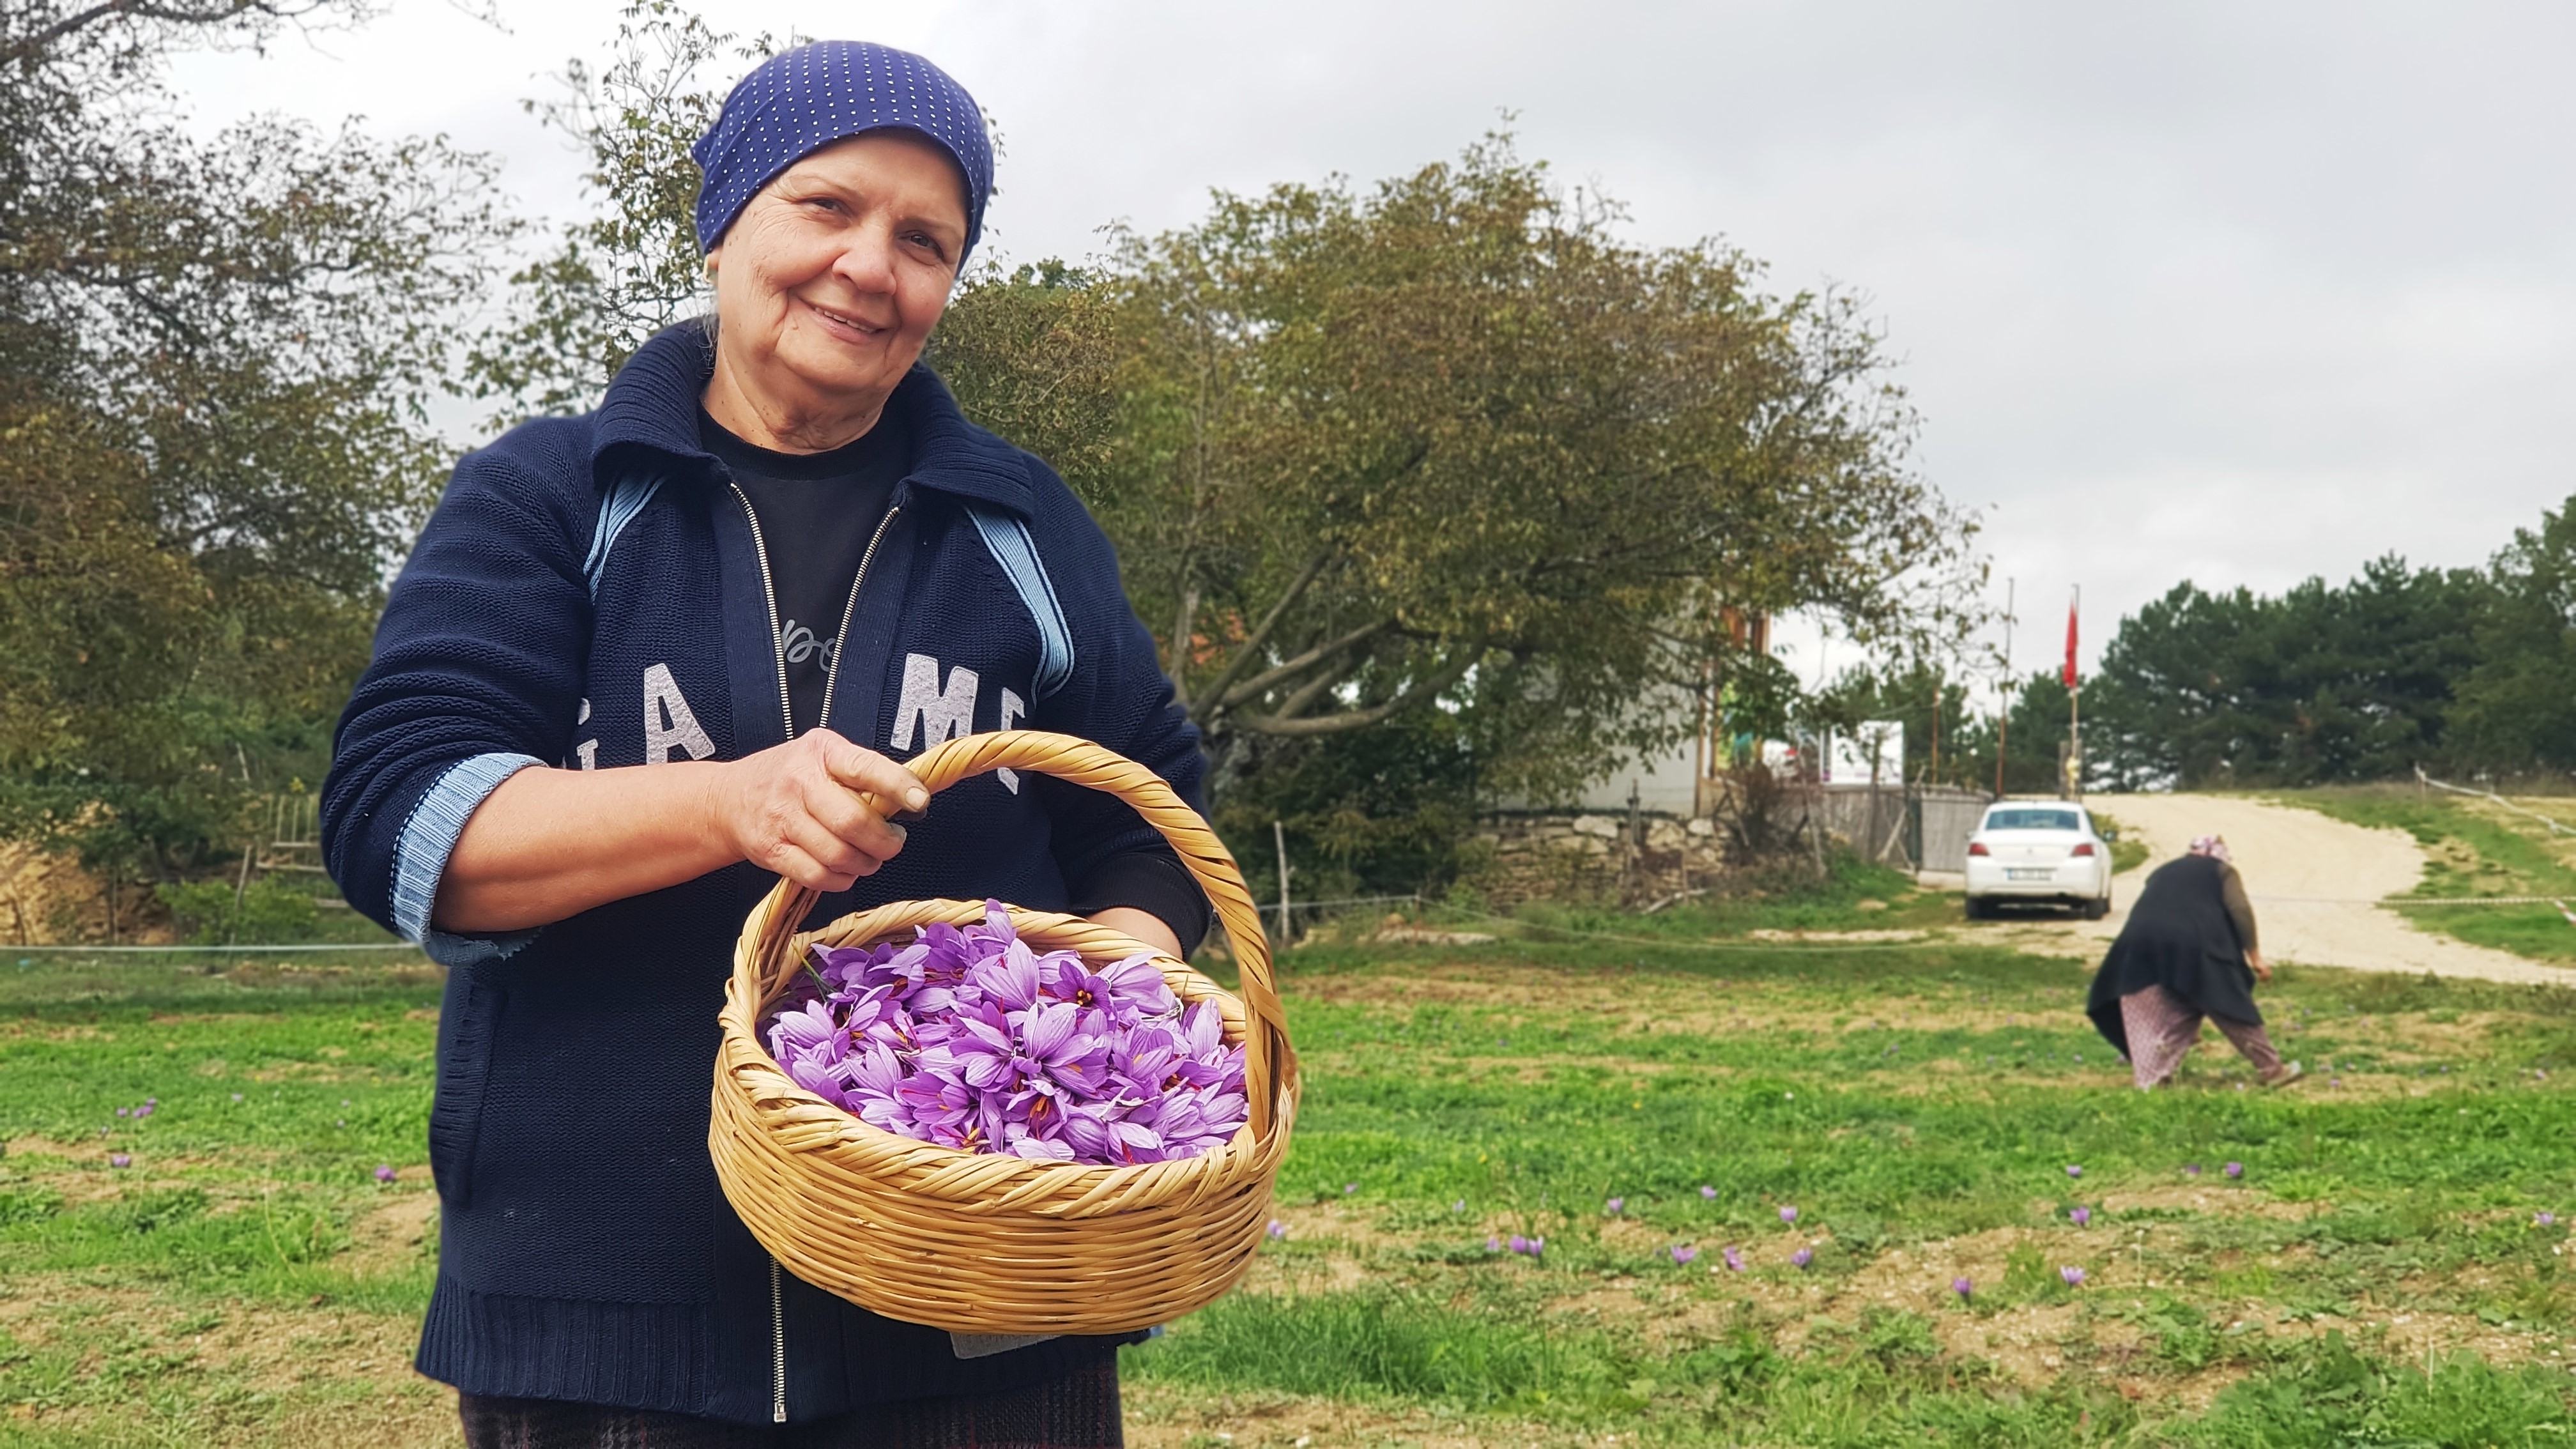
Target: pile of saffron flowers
x=969 y=1039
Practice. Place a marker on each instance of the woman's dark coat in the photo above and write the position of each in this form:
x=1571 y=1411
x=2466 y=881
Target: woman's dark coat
x=2179 y=937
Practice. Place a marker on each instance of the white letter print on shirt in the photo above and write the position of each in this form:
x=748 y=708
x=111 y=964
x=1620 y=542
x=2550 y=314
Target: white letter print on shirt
x=942 y=713
x=1012 y=709
x=588 y=750
x=669 y=721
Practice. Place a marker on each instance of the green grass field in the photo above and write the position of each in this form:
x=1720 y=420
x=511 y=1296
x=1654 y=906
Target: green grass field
x=2376 y=1275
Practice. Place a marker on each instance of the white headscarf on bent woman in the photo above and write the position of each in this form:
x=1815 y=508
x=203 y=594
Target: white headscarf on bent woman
x=2211 y=845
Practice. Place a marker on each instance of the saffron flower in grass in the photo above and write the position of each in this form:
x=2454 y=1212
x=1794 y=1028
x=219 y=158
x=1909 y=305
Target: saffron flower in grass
x=1614 y=1205
x=1788 y=1214
x=1734 y=1259
x=2072 y=1170
x=2079 y=1216
x=2235 y=1169
x=1707 y=1191
x=2191 y=1169
x=384 y=1172
x=2543 y=1219
x=119 y=1159
x=1277 y=1228
x=1519 y=1244
x=1493 y=1245
x=1684 y=1252
x=1964 y=1287
x=1802 y=1257
x=2073 y=1275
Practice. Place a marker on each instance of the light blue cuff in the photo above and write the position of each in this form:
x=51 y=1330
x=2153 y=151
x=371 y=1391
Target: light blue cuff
x=429 y=838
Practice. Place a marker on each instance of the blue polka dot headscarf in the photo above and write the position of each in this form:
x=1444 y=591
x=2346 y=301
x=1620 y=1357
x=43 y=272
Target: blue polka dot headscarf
x=803 y=99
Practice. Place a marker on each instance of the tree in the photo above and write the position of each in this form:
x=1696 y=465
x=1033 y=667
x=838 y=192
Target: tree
x=1449 y=443
x=214 y=364
x=2321 y=684
x=633 y=268
x=2517 y=703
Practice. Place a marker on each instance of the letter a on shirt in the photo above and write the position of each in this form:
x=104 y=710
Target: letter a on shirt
x=941 y=713
x=669 y=721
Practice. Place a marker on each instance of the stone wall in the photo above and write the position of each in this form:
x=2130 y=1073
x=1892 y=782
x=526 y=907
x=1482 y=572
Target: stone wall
x=1591 y=858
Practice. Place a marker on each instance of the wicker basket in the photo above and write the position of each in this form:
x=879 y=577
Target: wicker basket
x=983 y=1242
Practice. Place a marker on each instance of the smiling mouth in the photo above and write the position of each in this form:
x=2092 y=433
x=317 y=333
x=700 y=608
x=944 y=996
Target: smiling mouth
x=859 y=325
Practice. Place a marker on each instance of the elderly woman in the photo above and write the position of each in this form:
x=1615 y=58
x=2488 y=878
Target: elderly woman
x=2189 y=950
x=645 y=660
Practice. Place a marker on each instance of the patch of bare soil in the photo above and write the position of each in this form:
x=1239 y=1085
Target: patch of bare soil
x=391 y=1235
x=1168 y=1417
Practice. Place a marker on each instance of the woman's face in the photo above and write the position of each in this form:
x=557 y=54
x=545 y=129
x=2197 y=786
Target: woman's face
x=829 y=281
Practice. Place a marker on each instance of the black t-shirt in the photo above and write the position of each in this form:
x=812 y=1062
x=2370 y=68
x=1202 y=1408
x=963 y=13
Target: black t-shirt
x=816 y=513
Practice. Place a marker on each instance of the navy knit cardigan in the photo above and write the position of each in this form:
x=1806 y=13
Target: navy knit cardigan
x=585 y=1251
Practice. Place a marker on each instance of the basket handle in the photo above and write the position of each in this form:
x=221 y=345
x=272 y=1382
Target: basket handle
x=1266 y=1050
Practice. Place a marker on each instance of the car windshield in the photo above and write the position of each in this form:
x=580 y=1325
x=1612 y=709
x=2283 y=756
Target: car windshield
x=2033 y=820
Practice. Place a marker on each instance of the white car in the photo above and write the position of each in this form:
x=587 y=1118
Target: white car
x=2041 y=851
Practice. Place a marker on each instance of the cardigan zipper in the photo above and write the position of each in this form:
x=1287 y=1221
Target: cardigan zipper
x=849 y=611
x=769 y=596
x=777 y=1344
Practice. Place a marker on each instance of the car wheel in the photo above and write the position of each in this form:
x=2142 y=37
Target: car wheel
x=2097 y=908
x=1980 y=909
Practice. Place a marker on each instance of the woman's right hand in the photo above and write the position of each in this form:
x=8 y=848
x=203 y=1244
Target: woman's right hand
x=789 y=809
x=2254 y=959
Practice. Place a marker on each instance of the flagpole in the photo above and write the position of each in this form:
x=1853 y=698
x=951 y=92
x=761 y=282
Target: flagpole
x=2074 y=710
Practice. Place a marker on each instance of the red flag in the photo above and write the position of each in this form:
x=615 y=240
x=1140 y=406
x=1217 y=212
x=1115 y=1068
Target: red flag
x=2068 y=678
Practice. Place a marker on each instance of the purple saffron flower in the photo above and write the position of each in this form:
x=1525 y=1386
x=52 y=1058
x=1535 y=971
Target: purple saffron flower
x=155 y=1102
x=2073 y=1170
x=1802 y=1257
x=1734 y=1259
x=121 y=1111
x=1684 y=1252
x=1493 y=1245
x=1614 y=1205
x=1459 y=1206
x=1538 y=1245
x=1707 y=1191
x=119 y=1159
x=2543 y=1219
x=1278 y=1229
x=2235 y=1169
x=384 y=1172
x=1963 y=1286
x=1520 y=1244
x=2191 y=1169
x=1349 y=1187
x=1788 y=1214
x=2073 y=1275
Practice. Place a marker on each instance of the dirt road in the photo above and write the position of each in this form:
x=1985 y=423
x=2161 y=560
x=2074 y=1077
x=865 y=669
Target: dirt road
x=2314 y=881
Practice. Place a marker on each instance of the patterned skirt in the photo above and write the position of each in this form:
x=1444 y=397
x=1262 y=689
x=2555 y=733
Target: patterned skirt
x=1078 y=1411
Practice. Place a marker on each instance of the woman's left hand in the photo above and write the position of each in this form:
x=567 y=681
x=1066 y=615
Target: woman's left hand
x=2254 y=959
x=1145 y=926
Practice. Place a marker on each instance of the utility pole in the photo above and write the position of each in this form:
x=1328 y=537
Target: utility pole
x=2003 y=715
x=1279 y=838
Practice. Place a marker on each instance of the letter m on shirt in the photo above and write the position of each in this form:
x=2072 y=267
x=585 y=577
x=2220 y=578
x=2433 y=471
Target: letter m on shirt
x=940 y=713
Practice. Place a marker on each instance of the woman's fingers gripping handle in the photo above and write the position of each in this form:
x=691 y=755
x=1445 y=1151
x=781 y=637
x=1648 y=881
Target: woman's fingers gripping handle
x=891 y=790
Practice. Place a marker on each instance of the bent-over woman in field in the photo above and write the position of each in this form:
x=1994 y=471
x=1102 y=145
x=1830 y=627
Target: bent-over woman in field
x=2189 y=951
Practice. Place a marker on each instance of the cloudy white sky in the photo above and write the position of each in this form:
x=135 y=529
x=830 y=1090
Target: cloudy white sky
x=2232 y=293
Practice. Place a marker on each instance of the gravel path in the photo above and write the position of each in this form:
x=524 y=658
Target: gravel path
x=2315 y=883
